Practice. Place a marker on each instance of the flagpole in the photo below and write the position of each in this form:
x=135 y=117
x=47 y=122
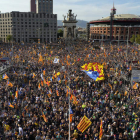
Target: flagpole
x=69 y=98
x=69 y=115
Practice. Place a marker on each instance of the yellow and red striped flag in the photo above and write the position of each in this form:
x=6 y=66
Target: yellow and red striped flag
x=45 y=82
x=75 y=102
x=34 y=75
x=44 y=117
x=16 y=95
x=71 y=115
x=39 y=87
x=44 y=72
x=42 y=83
x=84 y=124
x=71 y=97
x=101 y=130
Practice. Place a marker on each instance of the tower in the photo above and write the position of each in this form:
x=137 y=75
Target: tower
x=113 y=12
x=44 y=6
x=33 y=6
x=69 y=25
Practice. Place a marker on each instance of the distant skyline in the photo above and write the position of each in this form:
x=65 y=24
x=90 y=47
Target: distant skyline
x=85 y=9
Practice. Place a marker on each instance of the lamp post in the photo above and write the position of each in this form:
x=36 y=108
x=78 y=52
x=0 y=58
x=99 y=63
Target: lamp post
x=127 y=41
x=38 y=36
x=102 y=40
x=118 y=40
x=69 y=89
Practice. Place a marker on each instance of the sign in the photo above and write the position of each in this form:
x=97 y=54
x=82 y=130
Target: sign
x=135 y=76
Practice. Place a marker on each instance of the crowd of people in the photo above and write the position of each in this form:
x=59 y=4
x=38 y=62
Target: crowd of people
x=35 y=106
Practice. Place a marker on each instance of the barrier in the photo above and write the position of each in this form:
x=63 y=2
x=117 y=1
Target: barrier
x=4 y=68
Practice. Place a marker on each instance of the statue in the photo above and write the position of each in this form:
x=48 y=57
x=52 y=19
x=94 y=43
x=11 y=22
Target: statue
x=64 y=17
x=75 y=17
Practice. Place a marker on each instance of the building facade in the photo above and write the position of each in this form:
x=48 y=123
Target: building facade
x=116 y=28
x=122 y=33
x=33 y=6
x=30 y=26
x=44 y=6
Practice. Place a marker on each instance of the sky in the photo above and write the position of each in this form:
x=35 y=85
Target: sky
x=85 y=9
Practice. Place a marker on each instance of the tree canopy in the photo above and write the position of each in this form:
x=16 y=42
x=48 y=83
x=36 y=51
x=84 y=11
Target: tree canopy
x=132 y=39
x=9 y=38
x=138 y=39
x=59 y=33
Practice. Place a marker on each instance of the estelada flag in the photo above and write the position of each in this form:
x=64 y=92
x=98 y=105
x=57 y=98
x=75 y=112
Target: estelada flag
x=135 y=85
x=68 y=91
x=101 y=130
x=9 y=84
x=5 y=76
x=10 y=105
x=84 y=124
x=71 y=114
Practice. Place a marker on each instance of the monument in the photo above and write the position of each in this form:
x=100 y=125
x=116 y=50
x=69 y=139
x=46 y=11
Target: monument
x=69 y=26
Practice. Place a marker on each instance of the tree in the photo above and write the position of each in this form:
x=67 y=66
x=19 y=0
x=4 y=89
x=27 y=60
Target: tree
x=9 y=38
x=138 y=39
x=132 y=39
x=59 y=33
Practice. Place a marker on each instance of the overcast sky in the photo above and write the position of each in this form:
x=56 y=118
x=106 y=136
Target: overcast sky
x=85 y=9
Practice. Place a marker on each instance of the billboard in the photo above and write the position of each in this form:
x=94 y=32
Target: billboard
x=135 y=75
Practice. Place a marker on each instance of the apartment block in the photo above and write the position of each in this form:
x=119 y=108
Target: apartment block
x=28 y=26
x=39 y=25
x=44 y=6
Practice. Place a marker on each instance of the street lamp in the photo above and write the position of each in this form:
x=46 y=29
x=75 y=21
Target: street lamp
x=38 y=35
x=12 y=40
x=102 y=40
x=118 y=39
x=127 y=41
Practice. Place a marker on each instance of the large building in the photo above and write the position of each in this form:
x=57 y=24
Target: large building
x=44 y=6
x=29 y=26
x=123 y=27
x=33 y=6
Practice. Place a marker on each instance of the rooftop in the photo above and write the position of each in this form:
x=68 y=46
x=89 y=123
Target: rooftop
x=123 y=16
x=120 y=17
